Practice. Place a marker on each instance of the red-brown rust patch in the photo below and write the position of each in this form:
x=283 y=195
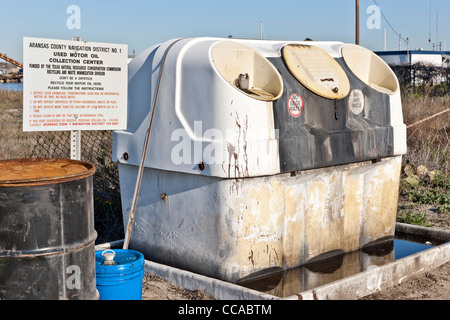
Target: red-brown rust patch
x=29 y=172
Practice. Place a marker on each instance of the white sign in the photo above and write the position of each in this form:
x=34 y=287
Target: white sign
x=295 y=105
x=356 y=101
x=74 y=85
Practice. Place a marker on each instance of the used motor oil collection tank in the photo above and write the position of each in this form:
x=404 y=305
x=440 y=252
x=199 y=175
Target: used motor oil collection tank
x=262 y=155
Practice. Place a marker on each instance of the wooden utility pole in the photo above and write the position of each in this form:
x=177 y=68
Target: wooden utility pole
x=357 y=22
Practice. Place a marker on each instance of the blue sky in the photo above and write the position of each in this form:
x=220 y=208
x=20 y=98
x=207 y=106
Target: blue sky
x=142 y=23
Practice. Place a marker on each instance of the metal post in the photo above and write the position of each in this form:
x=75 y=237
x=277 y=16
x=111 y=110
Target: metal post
x=126 y=241
x=357 y=22
x=75 y=135
x=75 y=145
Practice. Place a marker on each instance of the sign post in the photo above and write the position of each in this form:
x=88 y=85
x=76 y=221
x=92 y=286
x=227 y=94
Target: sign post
x=74 y=86
x=75 y=135
x=75 y=145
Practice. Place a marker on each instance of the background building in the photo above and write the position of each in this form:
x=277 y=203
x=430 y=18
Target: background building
x=419 y=68
x=410 y=57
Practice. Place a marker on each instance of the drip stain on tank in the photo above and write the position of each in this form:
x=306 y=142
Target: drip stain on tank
x=290 y=282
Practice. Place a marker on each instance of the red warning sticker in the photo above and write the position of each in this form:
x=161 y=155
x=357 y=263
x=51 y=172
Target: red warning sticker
x=295 y=105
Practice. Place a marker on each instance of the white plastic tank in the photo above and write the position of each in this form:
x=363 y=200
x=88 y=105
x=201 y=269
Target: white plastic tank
x=262 y=155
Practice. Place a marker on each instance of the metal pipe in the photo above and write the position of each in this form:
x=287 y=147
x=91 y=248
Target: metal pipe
x=109 y=245
x=144 y=153
x=427 y=118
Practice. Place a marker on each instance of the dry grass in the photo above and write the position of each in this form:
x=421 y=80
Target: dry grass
x=424 y=198
x=10 y=99
x=429 y=141
x=14 y=143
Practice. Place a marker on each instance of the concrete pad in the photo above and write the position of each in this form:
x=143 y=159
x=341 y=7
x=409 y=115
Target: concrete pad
x=379 y=278
x=350 y=288
x=220 y=290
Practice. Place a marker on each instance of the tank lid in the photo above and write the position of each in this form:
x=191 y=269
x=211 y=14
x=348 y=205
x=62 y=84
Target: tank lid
x=316 y=70
x=39 y=171
x=125 y=262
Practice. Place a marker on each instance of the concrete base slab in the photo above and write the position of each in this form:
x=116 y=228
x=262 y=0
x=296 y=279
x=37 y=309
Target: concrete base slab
x=220 y=290
x=376 y=278
x=379 y=278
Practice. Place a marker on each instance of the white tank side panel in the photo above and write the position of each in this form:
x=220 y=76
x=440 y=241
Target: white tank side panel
x=234 y=133
x=199 y=118
x=143 y=73
x=400 y=144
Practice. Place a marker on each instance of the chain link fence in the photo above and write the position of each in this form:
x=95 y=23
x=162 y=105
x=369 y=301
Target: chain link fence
x=420 y=78
x=96 y=148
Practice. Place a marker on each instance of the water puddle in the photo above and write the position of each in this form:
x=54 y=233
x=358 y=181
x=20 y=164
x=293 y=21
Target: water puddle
x=289 y=282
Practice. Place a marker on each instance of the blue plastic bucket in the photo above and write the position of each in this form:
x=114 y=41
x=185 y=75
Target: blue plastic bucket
x=119 y=274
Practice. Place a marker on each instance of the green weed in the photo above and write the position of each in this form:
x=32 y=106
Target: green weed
x=430 y=196
x=441 y=180
x=415 y=218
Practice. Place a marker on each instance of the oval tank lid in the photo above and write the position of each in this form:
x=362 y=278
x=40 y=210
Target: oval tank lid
x=316 y=70
x=38 y=171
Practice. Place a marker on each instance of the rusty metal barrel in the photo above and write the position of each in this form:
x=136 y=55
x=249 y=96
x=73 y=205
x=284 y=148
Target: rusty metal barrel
x=47 y=236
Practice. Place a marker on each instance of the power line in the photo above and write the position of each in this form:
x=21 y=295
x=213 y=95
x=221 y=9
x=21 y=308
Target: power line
x=399 y=35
